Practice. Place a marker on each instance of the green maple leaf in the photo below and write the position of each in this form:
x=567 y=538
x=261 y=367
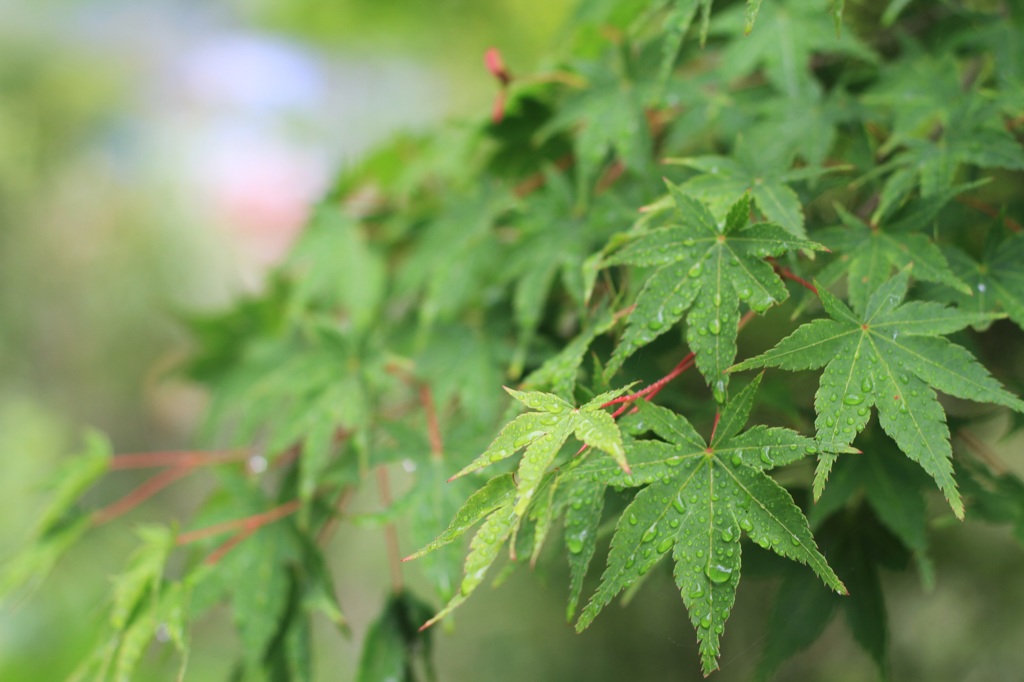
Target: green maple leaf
x=996 y=280
x=974 y=135
x=760 y=167
x=612 y=118
x=705 y=270
x=788 y=35
x=700 y=499
x=871 y=254
x=891 y=356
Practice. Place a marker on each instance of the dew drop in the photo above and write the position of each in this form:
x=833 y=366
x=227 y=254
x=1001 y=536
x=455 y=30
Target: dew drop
x=766 y=455
x=718 y=392
x=705 y=622
x=866 y=385
x=665 y=545
x=715 y=326
x=633 y=519
x=717 y=573
x=743 y=293
x=746 y=525
x=811 y=449
x=696 y=269
x=649 y=534
x=727 y=535
x=678 y=504
x=736 y=460
x=575 y=545
x=853 y=399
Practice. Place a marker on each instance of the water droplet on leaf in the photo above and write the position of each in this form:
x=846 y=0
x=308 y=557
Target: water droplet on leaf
x=717 y=573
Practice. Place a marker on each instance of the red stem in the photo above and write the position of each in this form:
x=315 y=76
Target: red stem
x=786 y=273
x=188 y=458
x=146 y=490
x=991 y=212
x=249 y=523
x=390 y=532
x=433 y=429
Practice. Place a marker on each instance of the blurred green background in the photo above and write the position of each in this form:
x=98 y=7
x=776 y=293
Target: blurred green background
x=158 y=157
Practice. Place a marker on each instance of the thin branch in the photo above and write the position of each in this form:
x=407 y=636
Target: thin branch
x=325 y=534
x=433 y=429
x=143 y=492
x=186 y=458
x=991 y=212
x=216 y=555
x=254 y=522
x=983 y=452
x=390 y=532
x=786 y=273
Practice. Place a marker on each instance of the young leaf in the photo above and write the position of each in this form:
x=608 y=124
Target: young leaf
x=498 y=492
x=483 y=550
x=891 y=356
x=706 y=269
x=544 y=432
x=700 y=501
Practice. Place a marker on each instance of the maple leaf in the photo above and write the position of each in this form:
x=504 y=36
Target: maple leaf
x=611 y=110
x=542 y=434
x=788 y=35
x=505 y=502
x=871 y=254
x=974 y=135
x=759 y=167
x=891 y=356
x=700 y=499
x=995 y=281
x=705 y=268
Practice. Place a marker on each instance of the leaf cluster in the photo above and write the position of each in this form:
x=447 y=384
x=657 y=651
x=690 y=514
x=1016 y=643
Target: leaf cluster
x=750 y=185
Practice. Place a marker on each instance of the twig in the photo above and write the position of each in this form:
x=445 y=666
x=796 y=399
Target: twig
x=786 y=273
x=979 y=448
x=325 y=534
x=249 y=523
x=390 y=532
x=188 y=458
x=433 y=429
x=991 y=212
x=146 y=490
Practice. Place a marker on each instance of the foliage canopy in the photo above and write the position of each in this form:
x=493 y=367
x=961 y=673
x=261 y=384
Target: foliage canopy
x=806 y=184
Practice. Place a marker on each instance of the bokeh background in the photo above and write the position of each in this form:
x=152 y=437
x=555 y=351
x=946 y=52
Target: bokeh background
x=159 y=157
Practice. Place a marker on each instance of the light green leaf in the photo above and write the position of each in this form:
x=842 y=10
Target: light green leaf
x=497 y=492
